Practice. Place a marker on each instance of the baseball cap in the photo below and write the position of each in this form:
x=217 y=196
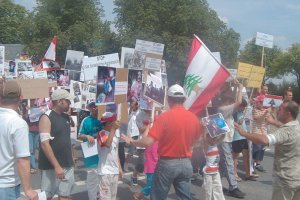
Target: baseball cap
x=108 y=117
x=61 y=94
x=92 y=104
x=11 y=90
x=176 y=91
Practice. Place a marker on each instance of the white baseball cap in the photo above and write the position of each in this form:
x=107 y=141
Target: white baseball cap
x=176 y=91
x=61 y=94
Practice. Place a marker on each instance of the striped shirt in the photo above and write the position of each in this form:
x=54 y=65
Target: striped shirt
x=212 y=157
x=259 y=125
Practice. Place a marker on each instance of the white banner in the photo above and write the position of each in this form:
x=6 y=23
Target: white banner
x=264 y=40
x=90 y=65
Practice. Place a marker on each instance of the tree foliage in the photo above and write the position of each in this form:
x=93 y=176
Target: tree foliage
x=288 y=62
x=12 y=19
x=173 y=23
x=76 y=23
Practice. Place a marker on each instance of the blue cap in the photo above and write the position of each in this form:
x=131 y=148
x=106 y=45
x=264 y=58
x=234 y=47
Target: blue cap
x=92 y=104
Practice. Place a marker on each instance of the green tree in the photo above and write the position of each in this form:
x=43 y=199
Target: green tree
x=76 y=23
x=288 y=63
x=173 y=23
x=252 y=54
x=12 y=19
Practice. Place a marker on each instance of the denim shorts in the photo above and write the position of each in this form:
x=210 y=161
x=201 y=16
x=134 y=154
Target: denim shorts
x=10 y=193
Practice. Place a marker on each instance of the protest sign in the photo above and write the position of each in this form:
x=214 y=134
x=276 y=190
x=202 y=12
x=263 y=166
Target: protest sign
x=63 y=79
x=145 y=49
x=74 y=60
x=106 y=85
x=272 y=101
x=126 y=57
x=264 y=40
x=154 y=89
x=215 y=125
x=34 y=88
x=90 y=65
x=254 y=74
x=40 y=74
x=134 y=84
x=121 y=86
x=25 y=75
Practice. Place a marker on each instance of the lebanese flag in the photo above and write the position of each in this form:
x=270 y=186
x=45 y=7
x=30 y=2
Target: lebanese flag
x=48 y=62
x=51 y=52
x=204 y=77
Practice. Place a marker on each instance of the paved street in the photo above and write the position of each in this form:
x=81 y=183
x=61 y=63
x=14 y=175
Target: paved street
x=255 y=190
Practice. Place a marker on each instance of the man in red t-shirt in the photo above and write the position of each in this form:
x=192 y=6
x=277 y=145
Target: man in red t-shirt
x=176 y=131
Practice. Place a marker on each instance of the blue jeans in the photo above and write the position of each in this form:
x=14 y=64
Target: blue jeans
x=11 y=193
x=226 y=164
x=33 y=142
x=147 y=188
x=172 y=171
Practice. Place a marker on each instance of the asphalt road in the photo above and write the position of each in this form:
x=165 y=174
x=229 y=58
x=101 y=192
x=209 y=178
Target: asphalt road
x=255 y=190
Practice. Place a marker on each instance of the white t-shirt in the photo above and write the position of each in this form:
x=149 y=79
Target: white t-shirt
x=108 y=157
x=14 y=143
x=132 y=129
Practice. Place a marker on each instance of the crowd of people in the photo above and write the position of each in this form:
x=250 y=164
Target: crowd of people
x=163 y=145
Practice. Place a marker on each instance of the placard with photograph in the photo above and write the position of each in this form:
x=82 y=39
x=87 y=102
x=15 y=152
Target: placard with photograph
x=215 y=125
x=76 y=90
x=272 y=101
x=106 y=85
x=74 y=60
x=74 y=75
x=126 y=57
x=63 y=79
x=134 y=84
x=25 y=75
x=155 y=90
x=23 y=65
x=90 y=65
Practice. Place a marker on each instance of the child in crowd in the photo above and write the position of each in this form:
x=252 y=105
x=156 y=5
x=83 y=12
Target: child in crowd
x=109 y=168
x=212 y=181
x=151 y=159
x=240 y=143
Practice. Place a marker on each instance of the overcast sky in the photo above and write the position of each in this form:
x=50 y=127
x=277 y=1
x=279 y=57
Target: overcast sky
x=280 y=18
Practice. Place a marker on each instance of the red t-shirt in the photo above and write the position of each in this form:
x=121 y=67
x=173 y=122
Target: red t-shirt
x=176 y=130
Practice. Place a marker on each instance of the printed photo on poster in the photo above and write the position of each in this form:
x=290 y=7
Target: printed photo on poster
x=24 y=75
x=74 y=75
x=52 y=77
x=63 y=78
x=215 y=125
x=74 y=60
x=127 y=57
x=76 y=90
x=145 y=103
x=138 y=60
x=23 y=65
x=134 y=85
x=155 y=90
x=106 y=85
x=12 y=69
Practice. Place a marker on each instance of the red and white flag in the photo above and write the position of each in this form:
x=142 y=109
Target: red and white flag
x=51 y=52
x=204 y=77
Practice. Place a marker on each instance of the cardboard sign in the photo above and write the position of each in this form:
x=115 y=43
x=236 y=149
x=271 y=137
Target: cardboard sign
x=254 y=74
x=272 y=101
x=34 y=88
x=121 y=85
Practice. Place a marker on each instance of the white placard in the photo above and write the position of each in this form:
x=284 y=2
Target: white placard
x=126 y=57
x=40 y=74
x=88 y=149
x=264 y=40
x=149 y=47
x=153 y=64
x=121 y=88
x=74 y=60
x=90 y=65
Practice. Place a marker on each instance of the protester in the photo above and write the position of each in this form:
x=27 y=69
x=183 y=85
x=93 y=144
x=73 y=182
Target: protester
x=143 y=119
x=89 y=128
x=286 y=173
x=288 y=94
x=259 y=126
x=55 y=155
x=109 y=168
x=228 y=106
x=211 y=176
x=14 y=148
x=176 y=131
x=240 y=144
x=132 y=129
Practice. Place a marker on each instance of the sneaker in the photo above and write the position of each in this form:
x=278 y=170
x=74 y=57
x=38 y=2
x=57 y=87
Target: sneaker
x=236 y=193
x=260 y=168
x=134 y=181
